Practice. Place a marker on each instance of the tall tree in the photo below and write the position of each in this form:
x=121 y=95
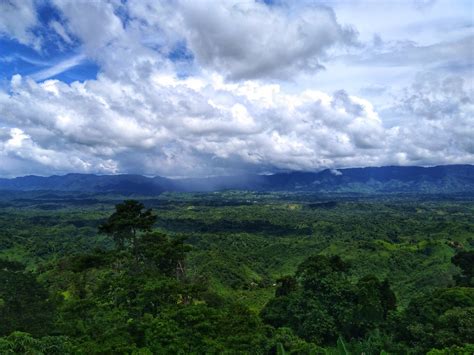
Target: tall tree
x=129 y=219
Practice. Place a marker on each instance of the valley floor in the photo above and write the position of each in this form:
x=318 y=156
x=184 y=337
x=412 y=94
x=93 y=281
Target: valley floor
x=244 y=243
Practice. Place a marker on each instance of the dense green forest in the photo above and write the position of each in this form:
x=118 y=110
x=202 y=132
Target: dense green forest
x=236 y=272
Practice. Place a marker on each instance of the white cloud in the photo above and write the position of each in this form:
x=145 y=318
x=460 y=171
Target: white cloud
x=172 y=118
x=198 y=126
x=17 y=20
x=59 y=68
x=20 y=146
x=436 y=118
x=236 y=39
x=234 y=108
x=252 y=40
x=59 y=29
x=92 y=22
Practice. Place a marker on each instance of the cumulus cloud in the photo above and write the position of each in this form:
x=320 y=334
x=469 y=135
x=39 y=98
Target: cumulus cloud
x=252 y=40
x=198 y=126
x=231 y=110
x=205 y=119
x=437 y=119
x=92 y=22
x=18 y=150
x=241 y=40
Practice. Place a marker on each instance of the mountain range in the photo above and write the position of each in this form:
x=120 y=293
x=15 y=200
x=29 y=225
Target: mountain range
x=388 y=179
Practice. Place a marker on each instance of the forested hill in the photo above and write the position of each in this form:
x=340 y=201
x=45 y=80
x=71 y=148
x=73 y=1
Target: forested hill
x=389 y=179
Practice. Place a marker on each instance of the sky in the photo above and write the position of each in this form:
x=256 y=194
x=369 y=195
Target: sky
x=200 y=88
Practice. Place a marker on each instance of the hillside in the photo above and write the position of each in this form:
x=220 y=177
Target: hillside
x=261 y=269
x=389 y=179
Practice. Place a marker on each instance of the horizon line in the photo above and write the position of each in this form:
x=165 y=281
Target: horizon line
x=233 y=175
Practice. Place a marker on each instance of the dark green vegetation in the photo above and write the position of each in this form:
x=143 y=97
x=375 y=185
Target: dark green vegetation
x=236 y=272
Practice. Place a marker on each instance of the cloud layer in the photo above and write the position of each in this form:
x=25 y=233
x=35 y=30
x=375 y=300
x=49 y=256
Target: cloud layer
x=17 y=19
x=196 y=88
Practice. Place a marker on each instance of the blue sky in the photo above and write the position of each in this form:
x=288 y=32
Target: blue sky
x=186 y=88
x=22 y=58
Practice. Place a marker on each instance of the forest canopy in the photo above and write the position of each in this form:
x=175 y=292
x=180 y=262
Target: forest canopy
x=149 y=285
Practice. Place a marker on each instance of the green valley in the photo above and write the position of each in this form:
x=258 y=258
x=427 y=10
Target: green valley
x=260 y=272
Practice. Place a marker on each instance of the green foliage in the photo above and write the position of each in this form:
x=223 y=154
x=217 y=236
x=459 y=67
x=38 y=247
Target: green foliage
x=126 y=222
x=156 y=250
x=326 y=304
x=453 y=350
x=465 y=261
x=24 y=343
x=202 y=329
x=208 y=276
x=375 y=300
x=280 y=349
x=441 y=319
x=341 y=347
x=24 y=302
x=285 y=340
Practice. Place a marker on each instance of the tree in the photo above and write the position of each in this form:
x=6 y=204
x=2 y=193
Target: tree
x=321 y=303
x=128 y=220
x=24 y=343
x=375 y=300
x=441 y=319
x=465 y=261
x=24 y=303
x=163 y=253
x=286 y=285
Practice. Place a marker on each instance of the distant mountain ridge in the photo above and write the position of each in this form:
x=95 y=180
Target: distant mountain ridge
x=388 y=179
